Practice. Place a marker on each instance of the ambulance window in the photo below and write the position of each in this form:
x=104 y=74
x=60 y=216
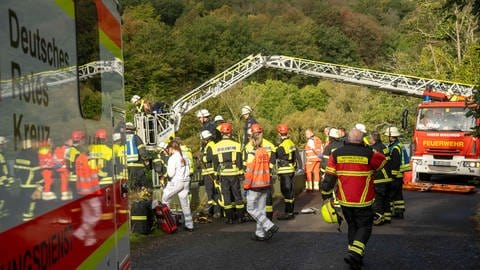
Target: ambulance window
x=88 y=53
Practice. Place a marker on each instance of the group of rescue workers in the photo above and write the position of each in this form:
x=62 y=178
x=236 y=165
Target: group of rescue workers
x=354 y=172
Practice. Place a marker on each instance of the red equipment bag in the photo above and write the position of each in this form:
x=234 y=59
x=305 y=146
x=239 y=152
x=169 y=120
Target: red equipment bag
x=164 y=219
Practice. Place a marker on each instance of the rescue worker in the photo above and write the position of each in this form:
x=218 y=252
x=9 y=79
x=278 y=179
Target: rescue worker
x=101 y=157
x=6 y=180
x=208 y=173
x=137 y=158
x=91 y=207
x=141 y=105
x=179 y=181
x=160 y=162
x=270 y=148
x=27 y=171
x=227 y=163
x=257 y=185
x=363 y=129
x=218 y=120
x=382 y=181
x=326 y=131
x=313 y=155
x=203 y=116
x=352 y=166
x=46 y=163
x=247 y=113
x=399 y=163
x=335 y=142
x=71 y=153
x=119 y=155
x=286 y=161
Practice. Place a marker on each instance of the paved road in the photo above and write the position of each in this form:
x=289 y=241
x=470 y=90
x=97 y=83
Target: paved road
x=437 y=233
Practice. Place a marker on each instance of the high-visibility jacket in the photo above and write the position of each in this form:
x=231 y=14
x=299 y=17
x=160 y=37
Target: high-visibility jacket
x=286 y=155
x=257 y=173
x=45 y=157
x=135 y=149
x=120 y=156
x=353 y=165
x=27 y=169
x=4 y=175
x=328 y=150
x=59 y=157
x=227 y=158
x=188 y=152
x=400 y=162
x=249 y=152
x=207 y=158
x=382 y=176
x=99 y=157
x=160 y=164
x=312 y=154
x=87 y=178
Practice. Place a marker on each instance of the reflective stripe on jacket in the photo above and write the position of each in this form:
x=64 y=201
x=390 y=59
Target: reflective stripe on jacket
x=286 y=157
x=87 y=178
x=312 y=154
x=227 y=157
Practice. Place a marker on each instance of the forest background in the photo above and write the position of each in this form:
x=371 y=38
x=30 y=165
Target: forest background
x=173 y=46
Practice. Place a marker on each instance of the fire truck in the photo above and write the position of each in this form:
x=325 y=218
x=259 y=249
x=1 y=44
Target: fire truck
x=61 y=88
x=442 y=150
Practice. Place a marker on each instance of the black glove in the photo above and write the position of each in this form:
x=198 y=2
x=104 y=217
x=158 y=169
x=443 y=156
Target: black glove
x=326 y=197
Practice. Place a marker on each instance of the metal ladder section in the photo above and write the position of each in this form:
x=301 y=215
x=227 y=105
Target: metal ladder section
x=394 y=83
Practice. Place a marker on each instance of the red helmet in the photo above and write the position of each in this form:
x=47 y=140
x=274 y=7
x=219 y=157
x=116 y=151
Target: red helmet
x=256 y=128
x=101 y=133
x=226 y=128
x=77 y=135
x=282 y=129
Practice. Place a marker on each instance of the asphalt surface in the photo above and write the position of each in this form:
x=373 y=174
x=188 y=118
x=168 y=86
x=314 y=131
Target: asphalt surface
x=438 y=232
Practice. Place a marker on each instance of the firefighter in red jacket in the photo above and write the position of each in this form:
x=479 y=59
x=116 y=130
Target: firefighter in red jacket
x=353 y=166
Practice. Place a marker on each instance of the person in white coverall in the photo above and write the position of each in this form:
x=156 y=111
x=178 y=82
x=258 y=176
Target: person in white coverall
x=178 y=170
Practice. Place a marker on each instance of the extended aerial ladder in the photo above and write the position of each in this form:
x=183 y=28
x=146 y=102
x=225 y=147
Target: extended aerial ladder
x=394 y=83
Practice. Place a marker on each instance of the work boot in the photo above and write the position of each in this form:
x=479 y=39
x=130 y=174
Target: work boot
x=269 y=215
x=269 y=234
x=286 y=216
x=378 y=219
x=355 y=261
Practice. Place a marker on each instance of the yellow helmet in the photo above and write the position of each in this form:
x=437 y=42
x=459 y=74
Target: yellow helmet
x=329 y=214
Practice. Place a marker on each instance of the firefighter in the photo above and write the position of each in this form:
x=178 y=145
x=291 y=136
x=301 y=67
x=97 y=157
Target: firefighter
x=160 y=162
x=141 y=105
x=71 y=153
x=335 y=142
x=137 y=158
x=352 y=166
x=257 y=186
x=119 y=155
x=101 y=157
x=313 y=155
x=46 y=163
x=247 y=113
x=88 y=186
x=286 y=161
x=363 y=129
x=270 y=148
x=218 y=120
x=227 y=163
x=399 y=163
x=382 y=181
x=27 y=171
x=203 y=116
x=208 y=173
x=6 y=180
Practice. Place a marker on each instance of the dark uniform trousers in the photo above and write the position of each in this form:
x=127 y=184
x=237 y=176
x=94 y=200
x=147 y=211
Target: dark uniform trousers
x=360 y=222
x=231 y=193
x=287 y=188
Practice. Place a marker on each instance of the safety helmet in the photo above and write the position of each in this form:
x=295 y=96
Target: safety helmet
x=205 y=134
x=135 y=98
x=361 y=127
x=77 y=135
x=329 y=214
x=129 y=125
x=392 y=132
x=256 y=128
x=116 y=136
x=226 y=128
x=162 y=145
x=101 y=133
x=218 y=118
x=246 y=109
x=3 y=140
x=282 y=129
x=334 y=133
x=203 y=113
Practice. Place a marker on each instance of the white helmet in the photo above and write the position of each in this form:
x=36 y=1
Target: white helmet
x=246 y=109
x=129 y=125
x=162 y=145
x=392 y=132
x=3 y=140
x=218 y=118
x=205 y=134
x=203 y=113
x=116 y=136
x=361 y=127
x=334 y=133
x=135 y=98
